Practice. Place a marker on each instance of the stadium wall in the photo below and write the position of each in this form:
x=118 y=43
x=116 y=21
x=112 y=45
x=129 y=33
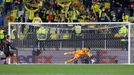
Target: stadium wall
x=52 y=57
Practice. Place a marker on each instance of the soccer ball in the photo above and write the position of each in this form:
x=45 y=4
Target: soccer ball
x=117 y=35
x=92 y=61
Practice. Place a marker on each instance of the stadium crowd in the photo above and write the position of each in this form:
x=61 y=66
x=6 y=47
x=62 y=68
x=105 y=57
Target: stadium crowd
x=65 y=11
x=38 y=11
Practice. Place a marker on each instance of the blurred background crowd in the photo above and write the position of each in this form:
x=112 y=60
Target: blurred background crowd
x=66 y=11
x=38 y=11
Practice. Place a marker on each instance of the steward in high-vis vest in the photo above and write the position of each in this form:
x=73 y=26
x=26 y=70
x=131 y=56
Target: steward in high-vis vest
x=1 y=35
x=53 y=34
x=77 y=29
x=123 y=32
x=41 y=33
x=41 y=36
x=66 y=35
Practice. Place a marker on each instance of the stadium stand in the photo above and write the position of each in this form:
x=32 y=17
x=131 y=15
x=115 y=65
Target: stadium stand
x=67 y=11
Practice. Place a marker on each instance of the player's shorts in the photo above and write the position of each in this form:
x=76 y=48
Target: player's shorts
x=7 y=53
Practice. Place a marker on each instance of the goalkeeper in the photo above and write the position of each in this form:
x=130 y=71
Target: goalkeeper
x=77 y=54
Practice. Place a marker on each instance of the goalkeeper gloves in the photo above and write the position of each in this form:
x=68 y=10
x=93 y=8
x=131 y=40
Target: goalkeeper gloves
x=65 y=53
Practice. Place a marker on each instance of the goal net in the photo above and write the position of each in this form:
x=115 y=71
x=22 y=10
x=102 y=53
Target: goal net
x=106 y=41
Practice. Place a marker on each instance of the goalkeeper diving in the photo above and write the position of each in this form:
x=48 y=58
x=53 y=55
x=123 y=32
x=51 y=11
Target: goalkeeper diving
x=78 y=54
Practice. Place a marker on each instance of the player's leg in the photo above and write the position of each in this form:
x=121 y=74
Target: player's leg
x=73 y=59
x=14 y=57
x=42 y=45
x=7 y=54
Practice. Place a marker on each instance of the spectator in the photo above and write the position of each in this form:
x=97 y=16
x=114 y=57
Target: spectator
x=36 y=19
x=75 y=14
x=113 y=16
x=88 y=3
x=34 y=4
x=96 y=9
x=22 y=19
x=76 y=3
x=16 y=2
x=43 y=14
x=1 y=1
x=70 y=19
x=107 y=4
x=62 y=16
x=53 y=34
x=104 y=18
x=119 y=15
x=19 y=4
x=26 y=1
x=65 y=6
x=56 y=18
x=1 y=5
x=31 y=12
x=14 y=13
x=125 y=17
x=8 y=6
x=131 y=8
x=1 y=20
x=49 y=16
x=2 y=34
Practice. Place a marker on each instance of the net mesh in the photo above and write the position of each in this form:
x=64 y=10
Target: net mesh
x=62 y=37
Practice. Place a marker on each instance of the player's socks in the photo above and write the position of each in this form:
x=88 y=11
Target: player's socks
x=14 y=59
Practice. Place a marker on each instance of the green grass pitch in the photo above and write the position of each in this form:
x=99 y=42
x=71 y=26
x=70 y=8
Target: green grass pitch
x=67 y=69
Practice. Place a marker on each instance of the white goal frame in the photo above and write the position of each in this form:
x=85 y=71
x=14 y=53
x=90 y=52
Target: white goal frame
x=128 y=23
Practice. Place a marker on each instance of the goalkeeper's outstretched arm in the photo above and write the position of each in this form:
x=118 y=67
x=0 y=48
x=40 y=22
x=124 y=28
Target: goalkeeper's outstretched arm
x=68 y=53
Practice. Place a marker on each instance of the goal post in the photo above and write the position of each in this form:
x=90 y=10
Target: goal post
x=131 y=43
x=62 y=37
